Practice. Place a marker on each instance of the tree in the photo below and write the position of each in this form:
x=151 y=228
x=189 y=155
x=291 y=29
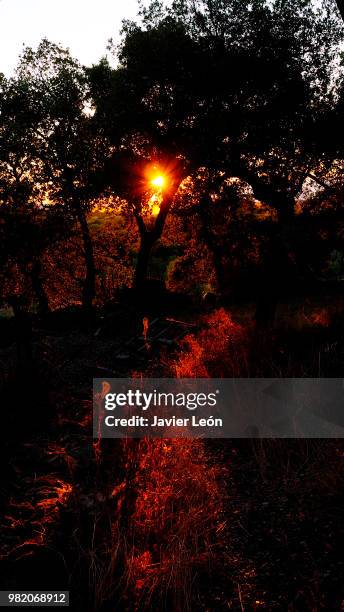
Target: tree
x=48 y=99
x=238 y=87
x=147 y=190
x=26 y=222
x=137 y=163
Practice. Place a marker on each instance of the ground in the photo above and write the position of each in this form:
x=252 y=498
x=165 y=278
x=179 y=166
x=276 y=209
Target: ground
x=168 y=524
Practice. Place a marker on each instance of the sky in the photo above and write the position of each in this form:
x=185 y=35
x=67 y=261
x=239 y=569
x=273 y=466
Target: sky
x=82 y=25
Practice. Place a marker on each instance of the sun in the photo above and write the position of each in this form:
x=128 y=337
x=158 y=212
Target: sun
x=159 y=181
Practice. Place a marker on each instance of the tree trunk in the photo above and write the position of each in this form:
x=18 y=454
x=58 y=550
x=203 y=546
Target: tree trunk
x=274 y=274
x=148 y=239
x=141 y=270
x=213 y=246
x=88 y=291
x=38 y=288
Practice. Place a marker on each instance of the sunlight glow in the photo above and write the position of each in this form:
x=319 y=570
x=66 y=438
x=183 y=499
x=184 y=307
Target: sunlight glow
x=154 y=204
x=159 y=181
x=155 y=210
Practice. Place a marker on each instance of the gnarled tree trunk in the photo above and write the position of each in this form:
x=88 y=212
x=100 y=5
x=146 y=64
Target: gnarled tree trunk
x=212 y=245
x=149 y=238
x=38 y=287
x=88 y=291
x=146 y=245
x=273 y=274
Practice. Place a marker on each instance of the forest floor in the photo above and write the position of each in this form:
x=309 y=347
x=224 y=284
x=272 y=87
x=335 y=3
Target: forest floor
x=167 y=524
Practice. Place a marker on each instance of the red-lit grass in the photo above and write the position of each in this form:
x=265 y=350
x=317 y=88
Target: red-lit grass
x=177 y=522
x=29 y=521
x=220 y=349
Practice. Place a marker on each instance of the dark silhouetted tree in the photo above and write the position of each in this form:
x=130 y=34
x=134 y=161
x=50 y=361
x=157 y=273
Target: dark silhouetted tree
x=47 y=132
x=239 y=88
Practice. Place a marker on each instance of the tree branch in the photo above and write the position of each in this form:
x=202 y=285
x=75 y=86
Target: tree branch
x=320 y=182
x=139 y=220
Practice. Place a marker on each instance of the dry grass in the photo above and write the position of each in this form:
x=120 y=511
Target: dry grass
x=219 y=350
x=176 y=522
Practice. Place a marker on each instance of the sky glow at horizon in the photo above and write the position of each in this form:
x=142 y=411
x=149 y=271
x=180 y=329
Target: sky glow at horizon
x=84 y=26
